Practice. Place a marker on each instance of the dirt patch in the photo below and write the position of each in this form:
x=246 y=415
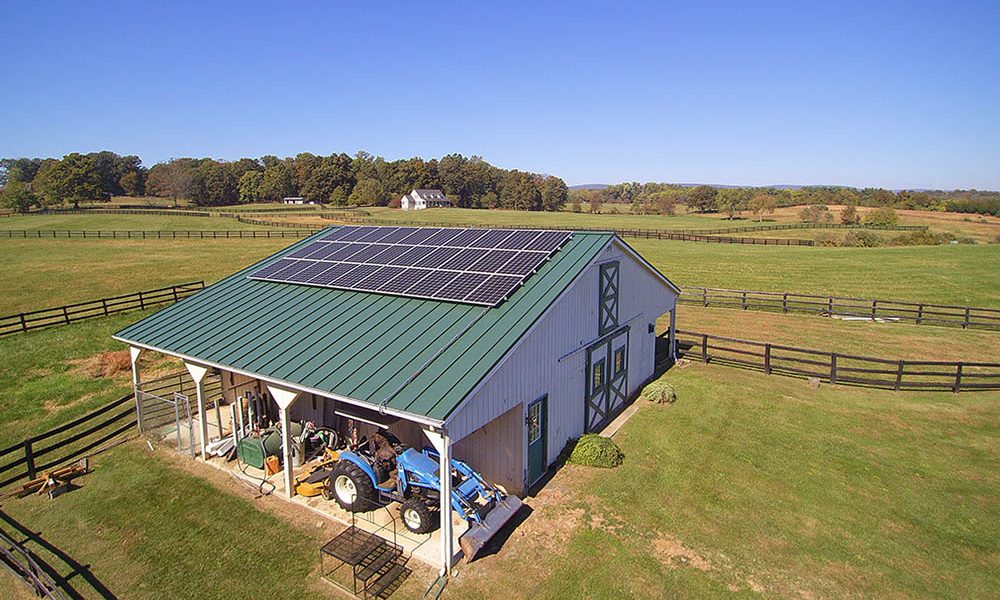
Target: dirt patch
x=674 y=553
x=105 y=364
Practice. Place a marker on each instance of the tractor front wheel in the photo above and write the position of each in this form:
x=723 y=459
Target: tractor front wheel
x=417 y=516
x=351 y=487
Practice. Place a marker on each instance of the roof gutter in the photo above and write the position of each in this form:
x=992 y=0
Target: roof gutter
x=423 y=420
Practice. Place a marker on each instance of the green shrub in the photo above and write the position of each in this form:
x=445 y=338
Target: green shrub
x=593 y=450
x=816 y=213
x=827 y=238
x=660 y=392
x=921 y=238
x=882 y=217
x=862 y=239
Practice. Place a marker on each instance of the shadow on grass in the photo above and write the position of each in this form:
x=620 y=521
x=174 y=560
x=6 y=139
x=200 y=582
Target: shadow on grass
x=75 y=569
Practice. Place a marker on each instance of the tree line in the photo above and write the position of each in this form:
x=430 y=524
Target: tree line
x=662 y=197
x=337 y=179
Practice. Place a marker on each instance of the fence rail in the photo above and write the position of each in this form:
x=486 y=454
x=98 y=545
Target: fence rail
x=22 y=562
x=920 y=313
x=795 y=226
x=71 y=313
x=75 y=439
x=155 y=234
x=838 y=367
x=654 y=234
x=173 y=212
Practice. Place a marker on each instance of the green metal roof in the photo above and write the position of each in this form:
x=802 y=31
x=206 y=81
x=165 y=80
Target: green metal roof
x=420 y=357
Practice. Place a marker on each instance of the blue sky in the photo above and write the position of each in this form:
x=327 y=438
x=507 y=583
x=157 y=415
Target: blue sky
x=891 y=94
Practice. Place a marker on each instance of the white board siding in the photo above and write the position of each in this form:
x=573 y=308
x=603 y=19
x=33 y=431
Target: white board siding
x=534 y=368
x=494 y=450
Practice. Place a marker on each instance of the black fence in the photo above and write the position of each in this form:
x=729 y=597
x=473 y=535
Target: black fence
x=71 y=313
x=173 y=212
x=154 y=234
x=795 y=226
x=71 y=441
x=840 y=368
x=921 y=313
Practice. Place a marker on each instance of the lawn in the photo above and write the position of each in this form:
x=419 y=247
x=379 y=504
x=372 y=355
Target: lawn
x=93 y=222
x=764 y=487
x=952 y=274
x=43 y=273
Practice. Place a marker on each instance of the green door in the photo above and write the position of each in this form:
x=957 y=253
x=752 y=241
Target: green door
x=537 y=423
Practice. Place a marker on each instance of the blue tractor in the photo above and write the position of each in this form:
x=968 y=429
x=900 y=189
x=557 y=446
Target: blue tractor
x=381 y=470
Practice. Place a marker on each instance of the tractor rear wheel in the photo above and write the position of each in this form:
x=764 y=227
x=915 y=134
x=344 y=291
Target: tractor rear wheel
x=352 y=488
x=418 y=517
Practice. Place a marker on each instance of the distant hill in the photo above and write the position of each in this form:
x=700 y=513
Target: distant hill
x=589 y=186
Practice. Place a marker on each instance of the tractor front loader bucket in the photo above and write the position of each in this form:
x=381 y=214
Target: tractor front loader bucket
x=473 y=540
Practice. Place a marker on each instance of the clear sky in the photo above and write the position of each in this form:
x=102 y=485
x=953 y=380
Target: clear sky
x=892 y=94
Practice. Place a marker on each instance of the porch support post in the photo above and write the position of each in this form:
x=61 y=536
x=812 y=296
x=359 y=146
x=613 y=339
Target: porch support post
x=198 y=373
x=135 y=353
x=672 y=336
x=442 y=443
x=284 y=399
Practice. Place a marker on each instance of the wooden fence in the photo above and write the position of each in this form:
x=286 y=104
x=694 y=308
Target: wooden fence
x=173 y=212
x=23 y=563
x=265 y=223
x=840 y=368
x=920 y=313
x=154 y=234
x=70 y=313
x=649 y=234
x=795 y=226
x=66 y=443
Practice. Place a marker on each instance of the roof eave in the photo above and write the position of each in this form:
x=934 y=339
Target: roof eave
x=422 y=419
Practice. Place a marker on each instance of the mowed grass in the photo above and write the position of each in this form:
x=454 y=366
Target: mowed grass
x=762 y=487
x=43 y=273
x=952 y=274
x=150 y=530
x=882 y=340
x=130 y=222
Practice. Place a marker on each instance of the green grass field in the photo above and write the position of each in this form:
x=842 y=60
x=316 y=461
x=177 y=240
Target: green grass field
x=43 y=273
x=749 y=486
x=77 y=221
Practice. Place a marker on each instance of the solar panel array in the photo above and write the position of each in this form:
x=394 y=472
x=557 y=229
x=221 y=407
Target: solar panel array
x=475 y=266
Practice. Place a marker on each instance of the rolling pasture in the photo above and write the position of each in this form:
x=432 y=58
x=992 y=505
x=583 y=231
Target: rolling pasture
x=749 y=485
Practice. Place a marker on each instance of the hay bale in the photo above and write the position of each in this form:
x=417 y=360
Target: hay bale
x=593 y=450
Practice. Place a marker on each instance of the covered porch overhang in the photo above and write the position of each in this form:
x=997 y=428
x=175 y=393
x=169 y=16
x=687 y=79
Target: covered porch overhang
x=439 y=548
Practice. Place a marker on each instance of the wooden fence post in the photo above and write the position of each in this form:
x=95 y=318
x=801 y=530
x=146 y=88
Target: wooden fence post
x=29 y=457
x=958 y=378
x=767 y=359
x=704 y=296
x=784 y=302
x=142 y=302
x=966 y=324
x=833 y=367
x=704 y=348
x=744 y=299
x=829 y=306
x=874 y=310
x=174 y=290
x=920 y=313
x=899 y=375
x=65 y=315
x=104 y=303
x=24 y=322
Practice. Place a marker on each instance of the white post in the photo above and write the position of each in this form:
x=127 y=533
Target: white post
x=135 y=353
x=198 y=373
x=442 y=443
x=672 y=337
x=285 y=398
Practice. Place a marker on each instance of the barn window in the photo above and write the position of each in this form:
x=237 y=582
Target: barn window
x=534 y=422
x=598 y=375
x=619 y=360
x=608 y=302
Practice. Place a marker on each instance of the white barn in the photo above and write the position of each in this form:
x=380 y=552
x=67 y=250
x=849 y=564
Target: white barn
x=502 y=387
x=421 y=199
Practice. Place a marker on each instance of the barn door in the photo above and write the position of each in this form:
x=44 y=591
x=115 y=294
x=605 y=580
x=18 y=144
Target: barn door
x=537 y=422
x=607 y=380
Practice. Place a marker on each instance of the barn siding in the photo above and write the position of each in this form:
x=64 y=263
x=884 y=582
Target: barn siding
x=495 y=450
x=534 y=368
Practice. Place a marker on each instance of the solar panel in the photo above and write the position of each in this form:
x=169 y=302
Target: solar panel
x=472 y=265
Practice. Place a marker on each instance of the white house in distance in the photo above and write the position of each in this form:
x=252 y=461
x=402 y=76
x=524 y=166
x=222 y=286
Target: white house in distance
x=421 y=199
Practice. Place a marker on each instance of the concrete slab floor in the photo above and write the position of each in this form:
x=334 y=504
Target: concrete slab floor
x=384 y=522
